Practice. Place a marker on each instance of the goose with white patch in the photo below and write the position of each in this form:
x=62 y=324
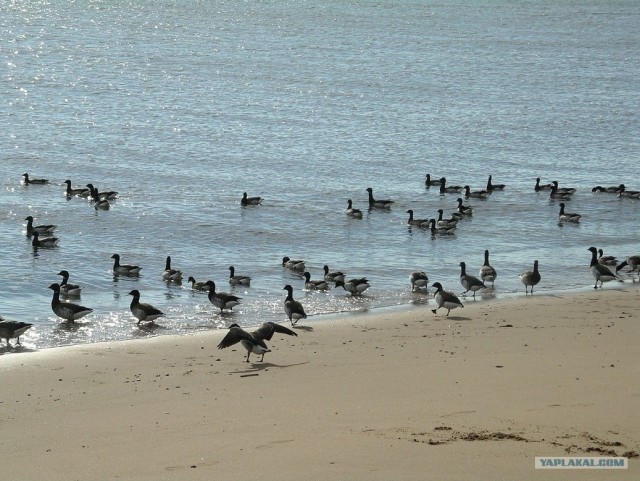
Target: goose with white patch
x=142 y=311
x=563 y=190
x=429 y=182
x=332 y=276
x=556 y=194
x=441 y=230
x=253 y=342
x=531 y=278
x=445 y=299
x=66 y=289
x=565 y=216
x=441 y=222
x=292 y=308
x=469 y=282
x=238 y=280
x=416 y=222
x=487 y=271
x=379 y=203
x=66 y=310
x=314 y=285
x=198 y=285
x=246 y=201
x=43 y=229
x=296 y=265
x=418 y=280
x=13 y=330
x=99 y=203
x=491 y=186
x=124 y=269
x=107 y=195
x=538 y=187
x=37 y=241
x=30 y=180
x=606 y=260
x=170 y=274
x=352 y=212
x=632 y=263
x=612 y=189
x=222 y=300
x=354 y=286
x=449 y=189
x=475 y=194
x=600 y=272
x=78 y=191
x=464 y=210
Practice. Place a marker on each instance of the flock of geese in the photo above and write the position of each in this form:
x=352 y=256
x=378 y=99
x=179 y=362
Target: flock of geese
x=254 y=342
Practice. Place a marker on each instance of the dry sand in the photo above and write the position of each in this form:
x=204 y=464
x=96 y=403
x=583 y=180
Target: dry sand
x=402 y=394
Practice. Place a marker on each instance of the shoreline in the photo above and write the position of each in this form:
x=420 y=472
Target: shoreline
x=476 y=395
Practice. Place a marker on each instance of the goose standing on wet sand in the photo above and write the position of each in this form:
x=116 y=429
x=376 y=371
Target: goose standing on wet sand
x=292 y=308
x=66 y=289
x=418 y=280
x=198 y=286
x=334 y=276
x=354 y=286
x=222 y=300
x=351 y=212
x=37 y=241
x=538 y=187
x=169 y=274
x=469 y=282
x=236 y=280
x=564 y=216
x=245 y=201
x=449 y=189
x=445 y=299
x=143 y=312
x=124 y=269
x=416 y=222
x=491 y=186
x=44 y=229
x=28 y=180
x=378 y=204
x=79 y=191
x=12 y=330
x=66 y=310
x=295 y=265
x=531 y=278
x=633 y=263
x=253 y=342
x=600 y=272
x=487 y=272
x=314 y=285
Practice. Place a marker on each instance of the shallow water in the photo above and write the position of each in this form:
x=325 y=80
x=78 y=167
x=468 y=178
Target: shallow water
x=182 y=106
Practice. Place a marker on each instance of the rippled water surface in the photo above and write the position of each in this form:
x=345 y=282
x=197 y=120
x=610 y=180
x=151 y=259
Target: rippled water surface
x=182 y=106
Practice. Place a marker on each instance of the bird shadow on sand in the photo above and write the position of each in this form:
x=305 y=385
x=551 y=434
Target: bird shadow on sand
x=302 y=328
x=15 y=349
x=255 y=367
x=455 y=318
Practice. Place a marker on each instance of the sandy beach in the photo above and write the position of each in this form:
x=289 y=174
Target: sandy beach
x=401 y=394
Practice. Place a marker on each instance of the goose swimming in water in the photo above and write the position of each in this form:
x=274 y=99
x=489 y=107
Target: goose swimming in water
x=606 y=260
x=222 y=300
x=13 y=330
x=469 y=282
x=441 y=230
x=99 y=202
x=612 y=189
x=416 y=222
x=107 y=195
x=568 y=216
x=66 y=289
x=354 y=286
x=632 y=263
x=66 y=310
x=429 y=182
x=449 y=189
x=487 y=272
x=315 y=285
x=254 y=342
x=477 y=194
x=245 y=201
x=538 y=187
x=292 y=308
x=623 y=192
x=445 y=299
x=600 y=272
x=563 y=190
x=169 y=274
x=491 y=186
x=556 y=194
x=531 y=278
x=124 y=269
x=28 y=180
x=236 y=280
x=378 y=204
x=198 y=286
x=351 y=212
x=464 y=209
x=452 y=222
x=143 y=312
x=418 y=280
x=44 y=229
x=295 y=265
x=79 y=191
x=37 y=241
x=332 y=276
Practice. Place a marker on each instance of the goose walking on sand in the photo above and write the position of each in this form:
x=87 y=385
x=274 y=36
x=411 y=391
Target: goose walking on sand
x=222 y=300
x=600 y=272
x=143 y=312
x=378 y=204
x=487 y=272
x=292 y=308
x=253 y=342
x=12 y=330
x=469 y=282
x=531 y=278
x=445 y=299
x=66 y=310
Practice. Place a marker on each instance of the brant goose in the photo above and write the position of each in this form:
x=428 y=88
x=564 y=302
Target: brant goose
x=254 y=342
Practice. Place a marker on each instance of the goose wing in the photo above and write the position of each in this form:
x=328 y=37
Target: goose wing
x=268 y=329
